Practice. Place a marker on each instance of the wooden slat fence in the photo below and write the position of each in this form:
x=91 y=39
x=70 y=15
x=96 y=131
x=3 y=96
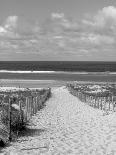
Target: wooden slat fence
x=104 y=103
x=26 y=107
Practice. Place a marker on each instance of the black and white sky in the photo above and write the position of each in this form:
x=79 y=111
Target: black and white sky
x=82 y=30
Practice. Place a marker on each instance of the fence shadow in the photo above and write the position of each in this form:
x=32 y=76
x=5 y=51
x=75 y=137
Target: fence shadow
x=25 y=132
x=31 y=132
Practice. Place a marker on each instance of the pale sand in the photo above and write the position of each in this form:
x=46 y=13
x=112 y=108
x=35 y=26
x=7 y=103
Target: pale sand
x=67 y=126
x=24 y=83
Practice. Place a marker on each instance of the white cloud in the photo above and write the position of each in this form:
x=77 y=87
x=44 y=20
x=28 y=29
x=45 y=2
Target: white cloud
x=105 y=18
x=57 y=15
x=63 y=33
x=98 y=31
x=62 y=21
x=15 y=27
x=97 y=39
x=8 y=27
x=11 y=23
x=2 y=30
x=6 y=44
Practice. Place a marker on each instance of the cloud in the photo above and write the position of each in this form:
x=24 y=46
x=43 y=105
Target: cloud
x=99 y=30
x=59 y=23
x=94 y=32
x=106 y=16
x=11 y=23
x=57 y=16
x=97 y=39
x=7 y=29
x=6 y=44
x=2 y=30
x=104 y=19
x=18 y=27
x=60 y=34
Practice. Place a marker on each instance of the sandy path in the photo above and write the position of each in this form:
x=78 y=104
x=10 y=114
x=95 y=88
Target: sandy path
x=68 y=126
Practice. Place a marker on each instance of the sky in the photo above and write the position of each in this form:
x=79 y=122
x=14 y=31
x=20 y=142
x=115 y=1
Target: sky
x=52 y=30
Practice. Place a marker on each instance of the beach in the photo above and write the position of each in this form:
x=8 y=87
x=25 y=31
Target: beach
x=67 y=126
x=59 y=76
x=43 y=79
x=23 y=83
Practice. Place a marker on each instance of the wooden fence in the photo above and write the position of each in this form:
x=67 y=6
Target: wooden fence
x=25 y=108
x=104 y=103
x=33 y=104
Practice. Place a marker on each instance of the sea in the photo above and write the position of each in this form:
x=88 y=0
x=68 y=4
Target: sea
x=55 y=73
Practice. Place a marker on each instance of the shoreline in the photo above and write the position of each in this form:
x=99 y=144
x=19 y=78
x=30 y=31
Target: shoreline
x=46 y=81
x=27 y=83
x=60 y=77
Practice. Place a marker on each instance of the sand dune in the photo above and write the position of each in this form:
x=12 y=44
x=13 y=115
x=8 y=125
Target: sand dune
x=67 y=126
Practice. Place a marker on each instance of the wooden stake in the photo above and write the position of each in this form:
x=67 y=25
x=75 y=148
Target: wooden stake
x=9 y=116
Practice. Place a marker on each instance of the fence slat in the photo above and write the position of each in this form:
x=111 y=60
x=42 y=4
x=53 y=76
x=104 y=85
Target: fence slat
x=9 y=117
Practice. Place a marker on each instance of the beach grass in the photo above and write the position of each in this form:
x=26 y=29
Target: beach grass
x=15 y=111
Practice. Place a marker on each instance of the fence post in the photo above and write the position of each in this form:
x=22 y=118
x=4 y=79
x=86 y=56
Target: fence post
x=2 y=102
x=36 y=107
x=113 y=102
x=26 y=110
x=101 y=104
x=87 y=98
x=9 y=118
x=29 y=108
x=94 y=101
x=32 y=103
x=109 y=103
x=36 y=104
x=98 y=102
x=90 y=100
x=21 y=112
x=104 y=99
x=82 y=97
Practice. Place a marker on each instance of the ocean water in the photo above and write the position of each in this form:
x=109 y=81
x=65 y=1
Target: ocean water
x=58 y=71
x=72 y=66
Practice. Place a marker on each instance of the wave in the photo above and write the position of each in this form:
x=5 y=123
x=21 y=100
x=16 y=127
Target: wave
x=55 y=72
x=35 y=72
x=11 y=71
